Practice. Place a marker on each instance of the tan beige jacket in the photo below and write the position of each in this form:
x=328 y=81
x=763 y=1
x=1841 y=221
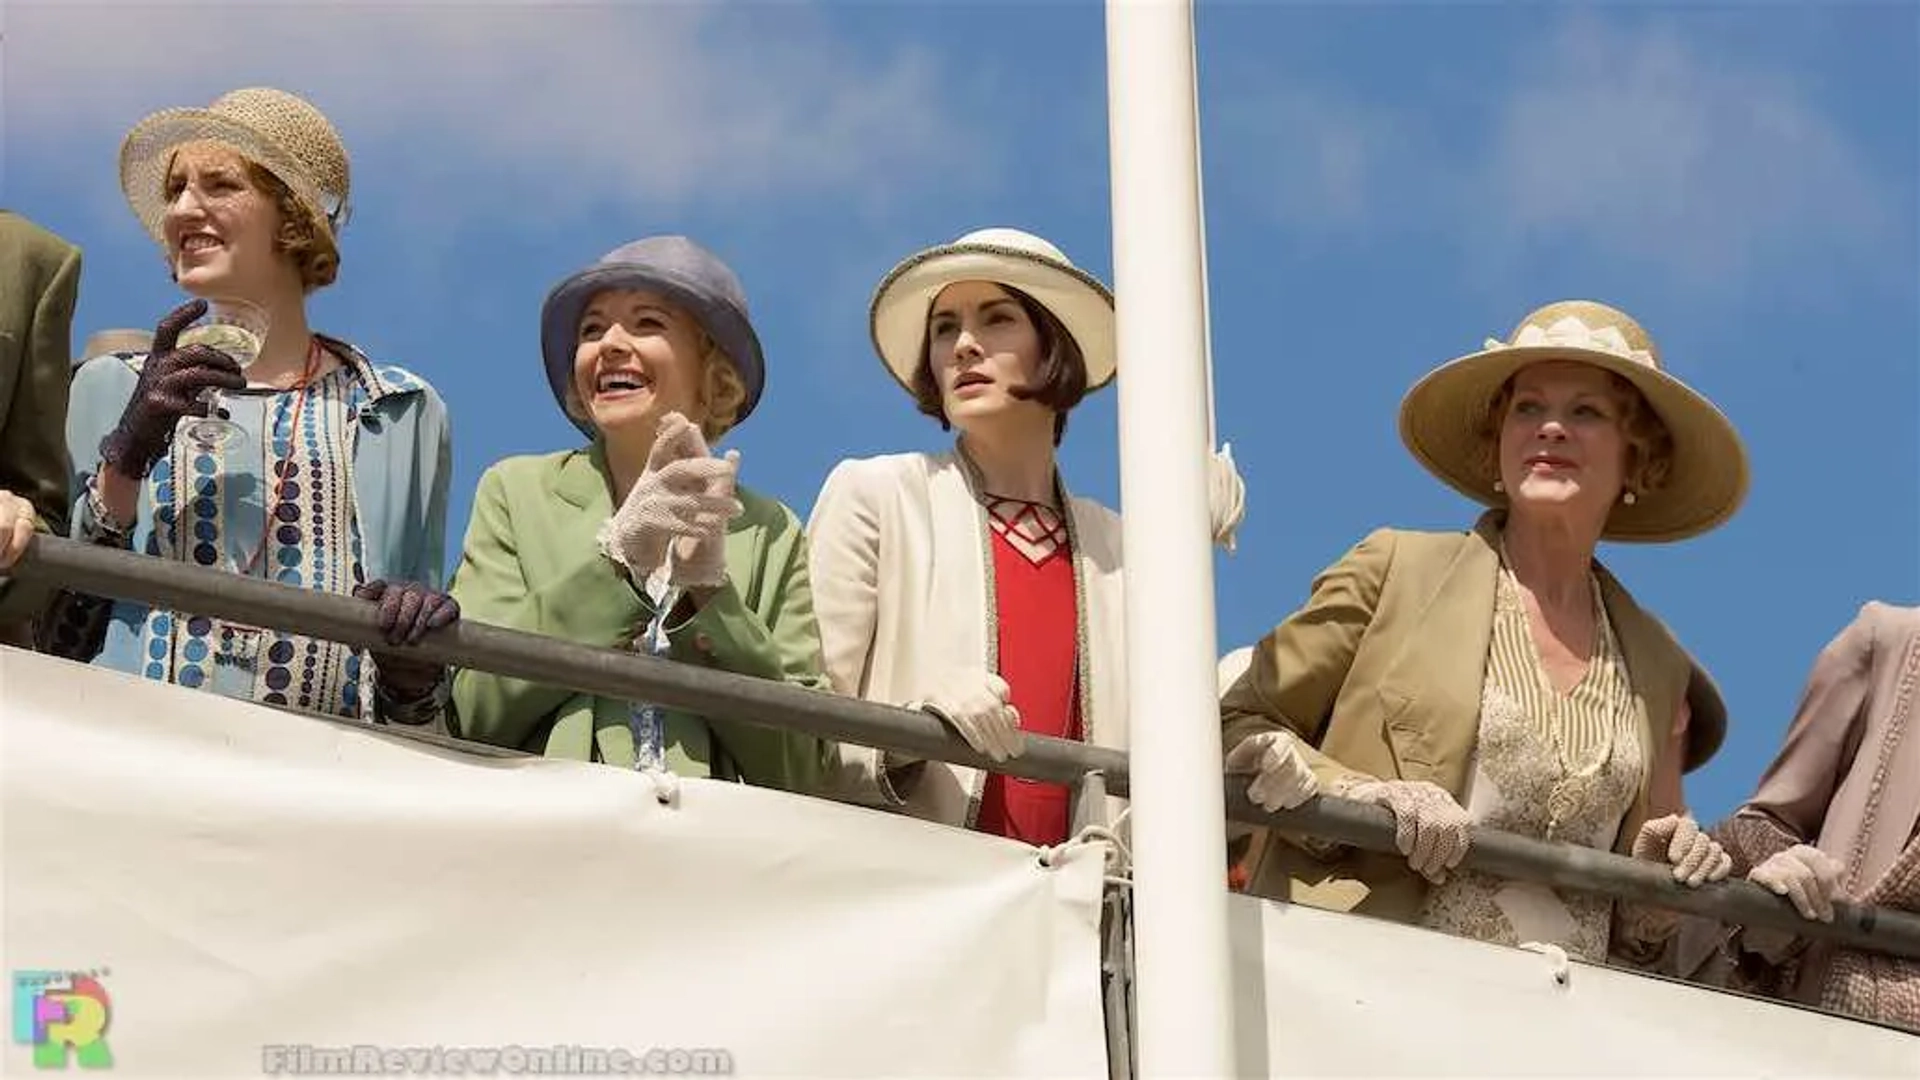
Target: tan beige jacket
x=1381 y=672
x=1846 y=780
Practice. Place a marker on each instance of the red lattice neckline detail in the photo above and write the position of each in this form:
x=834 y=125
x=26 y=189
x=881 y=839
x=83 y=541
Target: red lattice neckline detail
x=1035 y=530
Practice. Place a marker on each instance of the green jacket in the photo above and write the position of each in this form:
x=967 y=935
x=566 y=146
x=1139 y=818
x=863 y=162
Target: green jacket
x=39 y=285
x=532 y=562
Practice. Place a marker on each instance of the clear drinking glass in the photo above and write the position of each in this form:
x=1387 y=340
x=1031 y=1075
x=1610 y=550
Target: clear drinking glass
x=237 y=328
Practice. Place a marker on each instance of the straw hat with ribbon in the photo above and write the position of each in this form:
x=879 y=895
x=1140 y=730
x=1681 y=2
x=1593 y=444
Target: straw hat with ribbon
x=1442 y=420
x=898 y=316
x=271 y=128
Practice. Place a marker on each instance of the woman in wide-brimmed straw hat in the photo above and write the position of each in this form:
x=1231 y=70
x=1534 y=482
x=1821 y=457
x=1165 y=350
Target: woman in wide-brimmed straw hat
x=334 y=477
x=970 y=582
x=1500 y=677
x=643 y=538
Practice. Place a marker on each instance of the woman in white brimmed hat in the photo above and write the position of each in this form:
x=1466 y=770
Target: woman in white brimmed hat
x=643 y=537
x=338 y=478
x=1500 y=677
x=970 y=582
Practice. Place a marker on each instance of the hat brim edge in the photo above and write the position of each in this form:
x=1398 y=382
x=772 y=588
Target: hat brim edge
x=569 y=297
x=1063 y=281
x=1705 y=428
x=161 y=133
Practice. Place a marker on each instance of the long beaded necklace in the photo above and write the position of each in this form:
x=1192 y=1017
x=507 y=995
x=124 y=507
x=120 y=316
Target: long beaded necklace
x=238 y=642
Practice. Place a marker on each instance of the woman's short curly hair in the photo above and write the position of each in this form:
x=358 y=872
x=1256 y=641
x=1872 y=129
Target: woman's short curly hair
x=722 y=392
x=1649 y=443
x=302 y=237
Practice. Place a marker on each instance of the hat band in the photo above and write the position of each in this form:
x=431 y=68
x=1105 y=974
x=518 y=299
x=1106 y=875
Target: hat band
x=1571 y=333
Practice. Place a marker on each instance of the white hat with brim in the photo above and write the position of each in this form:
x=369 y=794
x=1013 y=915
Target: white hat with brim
x=1443 y=418
x=1008 y=257
x=281 y=133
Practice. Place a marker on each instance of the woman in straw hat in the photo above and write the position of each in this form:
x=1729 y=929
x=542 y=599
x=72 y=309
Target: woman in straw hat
x=1500 y=677
x=970 y=582
x=643 y=538
x=337 y=480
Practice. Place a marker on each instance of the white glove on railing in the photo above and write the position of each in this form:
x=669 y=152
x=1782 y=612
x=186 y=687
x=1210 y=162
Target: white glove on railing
x=974 y=703
x=1282 y=779
x=1696 y=858
x=1226 y=496
x=1805 y=875
x=1430 y=828
x=684 y=492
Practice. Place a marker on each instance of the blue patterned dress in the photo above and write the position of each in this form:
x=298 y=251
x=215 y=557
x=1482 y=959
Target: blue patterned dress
x=324 y=491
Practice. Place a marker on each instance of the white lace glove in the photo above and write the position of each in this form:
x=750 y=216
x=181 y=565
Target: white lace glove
x=701 y=559
x=974 y=703
x=1226 y=496
x=1804 y=874
x=1430 y=828
x=1696 y=858
x=685 y=493
x=1282 y=778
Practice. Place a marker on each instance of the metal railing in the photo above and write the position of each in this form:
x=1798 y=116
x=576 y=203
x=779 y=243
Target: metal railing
x=53 y=562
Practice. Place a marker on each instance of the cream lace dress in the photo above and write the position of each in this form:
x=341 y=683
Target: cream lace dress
x=1549 y=766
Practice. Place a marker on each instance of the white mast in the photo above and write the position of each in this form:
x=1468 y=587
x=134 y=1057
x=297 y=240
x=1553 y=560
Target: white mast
x=1183 y=981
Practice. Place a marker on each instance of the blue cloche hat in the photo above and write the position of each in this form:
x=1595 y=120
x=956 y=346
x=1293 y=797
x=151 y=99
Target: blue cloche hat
x=678 y=269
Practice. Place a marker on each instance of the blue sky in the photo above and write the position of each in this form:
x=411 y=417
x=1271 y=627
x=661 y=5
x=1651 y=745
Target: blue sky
x=1387 y=185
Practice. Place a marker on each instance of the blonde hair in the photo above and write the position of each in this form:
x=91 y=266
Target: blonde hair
x=302 y=238
x=722 y=392
x=1649 y=443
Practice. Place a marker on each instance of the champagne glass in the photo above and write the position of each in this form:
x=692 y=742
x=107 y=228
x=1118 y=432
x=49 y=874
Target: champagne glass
x=239 y=329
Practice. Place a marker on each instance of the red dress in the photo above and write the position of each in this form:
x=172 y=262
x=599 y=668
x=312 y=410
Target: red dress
x=1039 y=636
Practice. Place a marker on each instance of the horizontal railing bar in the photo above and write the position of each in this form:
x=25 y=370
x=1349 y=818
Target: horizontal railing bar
x=56 y=562
x=1594 y=870
x=615 y=673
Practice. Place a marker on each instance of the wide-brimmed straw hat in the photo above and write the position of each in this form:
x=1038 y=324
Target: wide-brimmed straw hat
x=897 y=318
x=1443 y=420
x=679 y=270
x=281 y=133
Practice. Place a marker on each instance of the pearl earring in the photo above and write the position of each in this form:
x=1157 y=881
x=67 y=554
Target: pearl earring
x=1629 y=498
x=1499 y=486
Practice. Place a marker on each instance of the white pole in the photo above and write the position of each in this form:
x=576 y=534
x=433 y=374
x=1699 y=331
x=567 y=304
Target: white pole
x=1183 y=986
x=1200 y=215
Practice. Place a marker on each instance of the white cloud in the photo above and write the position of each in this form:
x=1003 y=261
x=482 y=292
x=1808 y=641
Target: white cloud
x=551 y=107
x=1335 y=154
x=1634 y=144
x=1644 y=148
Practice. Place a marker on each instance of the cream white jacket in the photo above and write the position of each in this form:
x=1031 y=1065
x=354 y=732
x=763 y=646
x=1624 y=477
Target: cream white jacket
x=902 y=576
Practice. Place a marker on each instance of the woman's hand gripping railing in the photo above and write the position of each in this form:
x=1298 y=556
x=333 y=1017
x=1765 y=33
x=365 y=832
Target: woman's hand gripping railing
x=54 y=562
x=1595 y=871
